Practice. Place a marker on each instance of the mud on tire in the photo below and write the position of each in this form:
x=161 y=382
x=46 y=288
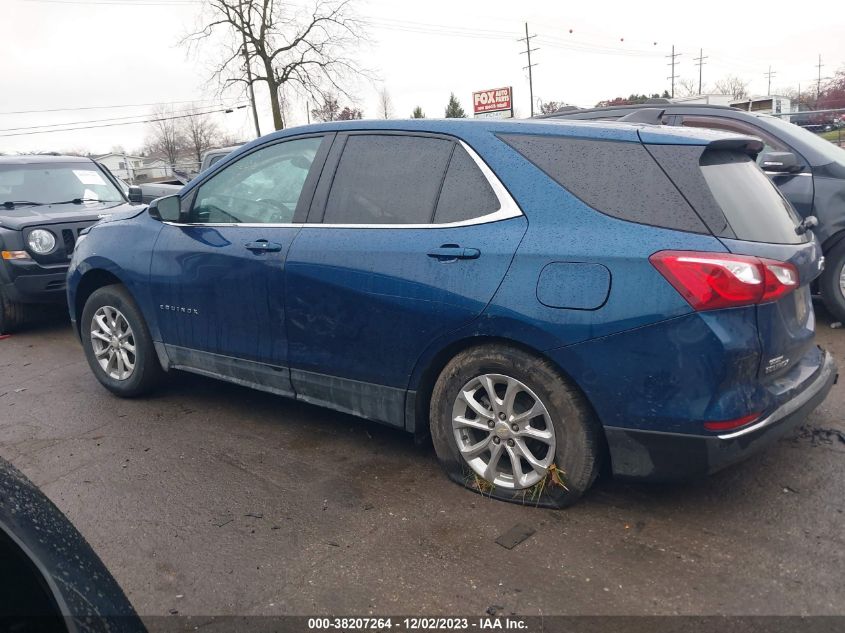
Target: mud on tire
x=577 y=434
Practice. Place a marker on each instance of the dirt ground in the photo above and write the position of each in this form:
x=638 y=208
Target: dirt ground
x=208 y=498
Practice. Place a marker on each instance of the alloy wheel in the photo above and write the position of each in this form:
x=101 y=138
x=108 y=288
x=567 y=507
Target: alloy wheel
x=113 y=343
x=503 y=431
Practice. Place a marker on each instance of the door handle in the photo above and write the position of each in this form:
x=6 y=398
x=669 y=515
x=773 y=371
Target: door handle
x=263 y=246
x=449 y=252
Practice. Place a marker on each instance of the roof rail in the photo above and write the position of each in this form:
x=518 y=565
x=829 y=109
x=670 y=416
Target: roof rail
x=652 y=116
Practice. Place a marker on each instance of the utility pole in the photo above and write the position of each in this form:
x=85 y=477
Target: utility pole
x=249 y=71
x=308 y=111
x=769 y=76
x=528 y=50
x=819 y=83
x=672 y=63
x=699 y=61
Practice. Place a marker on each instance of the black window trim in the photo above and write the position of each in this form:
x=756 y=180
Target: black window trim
x=508 y=208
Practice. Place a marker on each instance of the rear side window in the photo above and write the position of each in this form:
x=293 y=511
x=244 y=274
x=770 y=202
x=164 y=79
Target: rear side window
x=753 y=206
x=466 y=194
x=387 y=179
x=620 y=179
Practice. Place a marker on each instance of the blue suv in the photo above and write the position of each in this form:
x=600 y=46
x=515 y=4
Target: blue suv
x=539 y=297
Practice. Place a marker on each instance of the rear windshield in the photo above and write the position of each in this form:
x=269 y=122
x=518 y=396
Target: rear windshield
x=753 y=206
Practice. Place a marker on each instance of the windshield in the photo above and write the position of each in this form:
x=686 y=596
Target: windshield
x=47 y=183
x=824 y=147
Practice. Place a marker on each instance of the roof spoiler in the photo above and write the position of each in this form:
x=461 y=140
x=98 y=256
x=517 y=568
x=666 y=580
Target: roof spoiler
x=746 y=144
x=650 y=116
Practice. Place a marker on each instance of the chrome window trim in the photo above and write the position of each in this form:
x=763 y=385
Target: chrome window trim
x=786 y=173
x=508 y=209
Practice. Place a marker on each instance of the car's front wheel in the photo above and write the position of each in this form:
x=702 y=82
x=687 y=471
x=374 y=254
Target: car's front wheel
x=12 y=314
x=117 y=343
x=506 y=424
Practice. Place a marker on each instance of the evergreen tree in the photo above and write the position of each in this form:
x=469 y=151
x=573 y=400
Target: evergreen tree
x=454 y=109
x=418 y=113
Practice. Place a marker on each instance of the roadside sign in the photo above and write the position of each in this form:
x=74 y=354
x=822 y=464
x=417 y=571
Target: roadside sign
x=497 y=102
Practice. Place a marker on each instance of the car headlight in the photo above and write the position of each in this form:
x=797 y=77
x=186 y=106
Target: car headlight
x=41 y=241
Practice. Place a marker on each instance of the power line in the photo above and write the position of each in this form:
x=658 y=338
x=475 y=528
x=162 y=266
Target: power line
x=155 y=120
x=106 y=120
x=672 y=63
x=109 y=107
x=528 y=50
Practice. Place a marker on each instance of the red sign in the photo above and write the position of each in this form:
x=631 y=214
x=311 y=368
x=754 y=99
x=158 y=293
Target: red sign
x=494 y=100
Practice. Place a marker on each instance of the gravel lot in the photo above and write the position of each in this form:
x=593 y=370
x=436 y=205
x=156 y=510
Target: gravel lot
x=208 y=498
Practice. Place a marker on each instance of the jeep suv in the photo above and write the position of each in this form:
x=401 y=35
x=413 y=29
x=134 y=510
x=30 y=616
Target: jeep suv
x=539 y=297
x=45 y=202
x=809 y=170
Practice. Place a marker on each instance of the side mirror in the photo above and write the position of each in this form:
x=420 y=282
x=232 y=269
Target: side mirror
x=781 y=162
x=167 y=209
x=134 y=194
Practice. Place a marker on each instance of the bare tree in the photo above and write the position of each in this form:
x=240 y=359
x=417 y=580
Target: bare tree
x=385 y=102
x=733 y=86
x=285 y=44
x=284 y=106
x=328 y=110
x=686 y=87
x=199 y=131
x=548 y=107
x=350 y=114
x=165 y=139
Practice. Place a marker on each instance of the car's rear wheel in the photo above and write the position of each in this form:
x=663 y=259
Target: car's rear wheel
x=117 y=343
x=832 y=282
x=505 y=423
x=12 y=314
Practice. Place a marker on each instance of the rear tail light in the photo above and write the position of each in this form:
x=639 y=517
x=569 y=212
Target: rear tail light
x=728 y=425
x=711 y=281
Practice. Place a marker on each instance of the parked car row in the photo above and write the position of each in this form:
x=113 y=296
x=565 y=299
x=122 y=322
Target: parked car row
x=540 y=297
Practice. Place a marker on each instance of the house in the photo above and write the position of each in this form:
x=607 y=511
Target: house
x=134 y=169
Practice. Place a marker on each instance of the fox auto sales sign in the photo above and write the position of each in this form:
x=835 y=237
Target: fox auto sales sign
x=495 y=102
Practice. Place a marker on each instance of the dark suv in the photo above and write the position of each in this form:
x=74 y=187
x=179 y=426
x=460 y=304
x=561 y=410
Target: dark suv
x=45 y=201
x=809 y=170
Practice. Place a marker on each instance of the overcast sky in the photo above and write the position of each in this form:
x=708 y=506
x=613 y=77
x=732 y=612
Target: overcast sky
x=103 y=59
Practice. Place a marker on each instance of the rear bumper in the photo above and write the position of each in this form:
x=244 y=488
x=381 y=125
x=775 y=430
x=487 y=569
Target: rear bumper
x=659 y=456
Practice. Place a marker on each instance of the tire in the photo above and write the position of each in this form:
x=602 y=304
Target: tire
x=115 y=301
x=830 y=284
x=570 y=458
x=12 y=314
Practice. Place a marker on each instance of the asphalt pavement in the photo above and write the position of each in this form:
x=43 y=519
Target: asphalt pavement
x=211 y=499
